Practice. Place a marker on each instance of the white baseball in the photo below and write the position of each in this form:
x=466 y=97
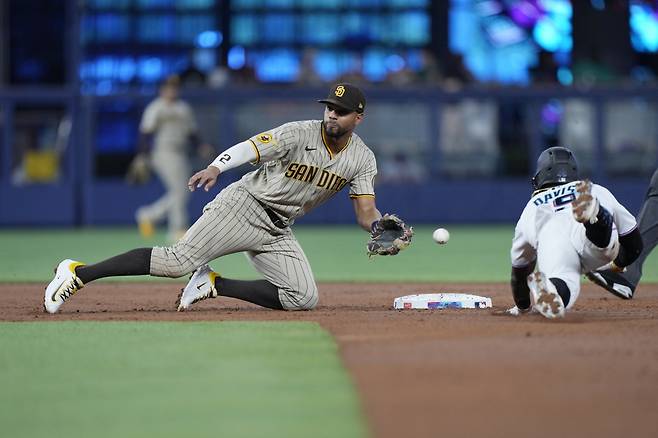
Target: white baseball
x=441 y=236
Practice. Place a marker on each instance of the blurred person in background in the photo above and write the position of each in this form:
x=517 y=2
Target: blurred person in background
x=454 y=72
x=166 y=130
x=429 y=72
x=308 y=75
x=401 y=167
x=355 y=73
x=192 y=77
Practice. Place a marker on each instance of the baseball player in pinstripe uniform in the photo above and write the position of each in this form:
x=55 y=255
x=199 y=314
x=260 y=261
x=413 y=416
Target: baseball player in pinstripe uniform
x=302 y=164
x=171 y=122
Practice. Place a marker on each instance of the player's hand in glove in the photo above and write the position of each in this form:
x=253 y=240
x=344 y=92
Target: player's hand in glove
x=205 y=178
x=389 y=236
x=139 y=170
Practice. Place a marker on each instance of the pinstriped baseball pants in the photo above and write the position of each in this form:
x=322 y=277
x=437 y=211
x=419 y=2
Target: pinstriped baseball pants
x=235 y=222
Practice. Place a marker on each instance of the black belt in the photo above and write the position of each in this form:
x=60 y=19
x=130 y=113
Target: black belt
x=275 y=218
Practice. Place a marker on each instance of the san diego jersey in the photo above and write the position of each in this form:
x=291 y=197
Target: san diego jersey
x=300 y=172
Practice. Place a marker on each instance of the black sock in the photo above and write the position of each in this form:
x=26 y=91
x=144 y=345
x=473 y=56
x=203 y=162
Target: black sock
x=135 y=262
x=599 y=233
x=562 y=290
x=260 y=292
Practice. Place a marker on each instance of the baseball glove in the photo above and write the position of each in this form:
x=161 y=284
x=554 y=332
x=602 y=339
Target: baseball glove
x=139 y=171
x=389 y=236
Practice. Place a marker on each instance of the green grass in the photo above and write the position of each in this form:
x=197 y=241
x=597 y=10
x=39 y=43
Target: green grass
x=91 y=379
x=474 y=254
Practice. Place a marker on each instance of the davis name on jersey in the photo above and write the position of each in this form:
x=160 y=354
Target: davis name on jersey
x=559 y=196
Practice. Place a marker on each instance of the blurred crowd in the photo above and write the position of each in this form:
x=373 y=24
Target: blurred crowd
x=448 y=71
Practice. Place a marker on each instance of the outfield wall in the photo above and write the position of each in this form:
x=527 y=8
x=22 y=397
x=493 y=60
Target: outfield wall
x=114 y=203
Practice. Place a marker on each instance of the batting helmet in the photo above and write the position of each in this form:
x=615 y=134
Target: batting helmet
x=556 y=165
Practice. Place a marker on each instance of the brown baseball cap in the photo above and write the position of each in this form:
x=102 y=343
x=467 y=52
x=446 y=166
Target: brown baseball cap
x=346 y=96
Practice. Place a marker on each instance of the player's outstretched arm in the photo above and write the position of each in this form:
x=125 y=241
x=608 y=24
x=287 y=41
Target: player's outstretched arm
x=366 y=211
x=231 y=158
x=388 y=234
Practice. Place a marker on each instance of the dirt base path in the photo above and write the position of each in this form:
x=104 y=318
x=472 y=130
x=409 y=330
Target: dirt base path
x=452 y=373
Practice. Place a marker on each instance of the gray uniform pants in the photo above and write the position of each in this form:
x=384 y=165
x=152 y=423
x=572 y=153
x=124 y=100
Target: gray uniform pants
x=173 y=169
x=647 y=222
x=235 y=222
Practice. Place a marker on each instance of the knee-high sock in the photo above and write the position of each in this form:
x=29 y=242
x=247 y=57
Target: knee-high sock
x=562 y=290
x=260 y=292
x=134 y=262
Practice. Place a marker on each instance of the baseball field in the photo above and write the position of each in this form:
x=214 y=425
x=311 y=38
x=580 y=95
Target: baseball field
x=119 y=361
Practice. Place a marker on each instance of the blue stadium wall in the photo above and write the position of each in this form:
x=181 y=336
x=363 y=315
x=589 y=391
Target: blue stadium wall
x=114 y=203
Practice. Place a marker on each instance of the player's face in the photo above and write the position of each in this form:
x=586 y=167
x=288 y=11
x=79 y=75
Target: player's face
x=338 y=121
x=168 y=92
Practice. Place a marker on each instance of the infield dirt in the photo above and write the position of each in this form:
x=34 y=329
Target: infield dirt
x=453 y=373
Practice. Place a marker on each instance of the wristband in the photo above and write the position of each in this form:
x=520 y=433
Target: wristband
x=373 y=226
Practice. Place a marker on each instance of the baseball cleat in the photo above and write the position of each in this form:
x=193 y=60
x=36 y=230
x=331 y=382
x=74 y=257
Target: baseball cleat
x=585 y=207
x=65 y=284
x=613 y=282
x=515 y=311
x=200 y=287
x=545 y=297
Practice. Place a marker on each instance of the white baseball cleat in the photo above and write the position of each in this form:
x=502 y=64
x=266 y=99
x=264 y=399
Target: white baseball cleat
x=545 y=297
x=612 y=282
x=200 y=287
x=65 y=284
x=585 y=207
x=515 y=311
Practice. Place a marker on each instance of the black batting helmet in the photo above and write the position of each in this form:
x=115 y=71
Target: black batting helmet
x=556 y=165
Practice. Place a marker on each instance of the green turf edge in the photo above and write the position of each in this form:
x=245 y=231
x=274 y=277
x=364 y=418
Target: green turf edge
x=172 y=379
x=477 y=254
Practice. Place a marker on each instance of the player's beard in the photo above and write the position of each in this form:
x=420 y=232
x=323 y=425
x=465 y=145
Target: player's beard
x=333 y=131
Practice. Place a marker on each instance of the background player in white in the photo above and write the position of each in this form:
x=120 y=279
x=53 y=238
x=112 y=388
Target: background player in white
x=623 y=282
x=168 y=123
x=567 y=228
x=303 y=164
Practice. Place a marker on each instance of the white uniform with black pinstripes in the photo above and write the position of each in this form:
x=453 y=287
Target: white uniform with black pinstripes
x=299 y=173
x=172 y=123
